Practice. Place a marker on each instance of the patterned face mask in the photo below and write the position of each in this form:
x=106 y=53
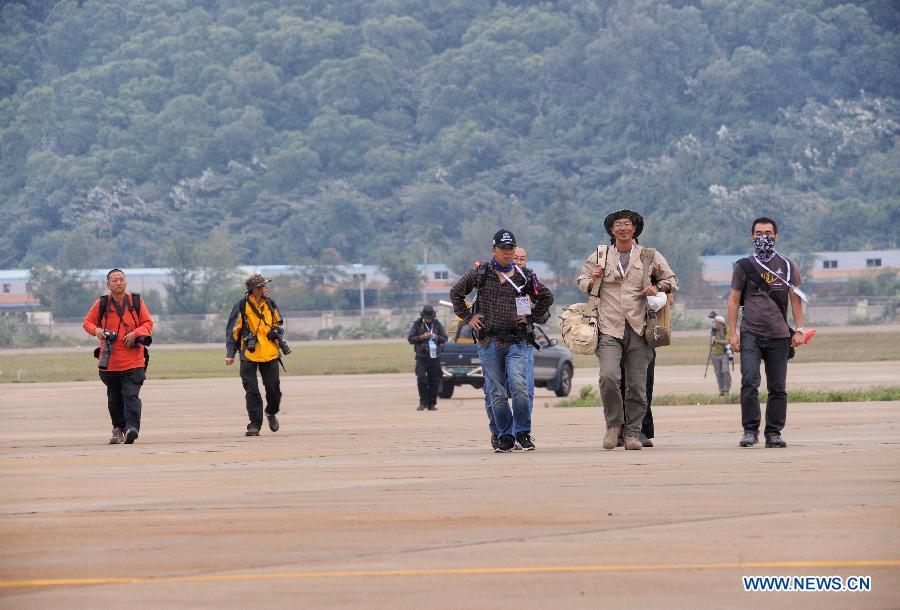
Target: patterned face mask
x=764 y=247
x=500 y=267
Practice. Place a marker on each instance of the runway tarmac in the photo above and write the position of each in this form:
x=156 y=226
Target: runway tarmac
x=360 y=501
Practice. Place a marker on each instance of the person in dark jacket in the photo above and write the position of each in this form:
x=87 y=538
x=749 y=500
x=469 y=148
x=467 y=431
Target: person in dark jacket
x=428 y=336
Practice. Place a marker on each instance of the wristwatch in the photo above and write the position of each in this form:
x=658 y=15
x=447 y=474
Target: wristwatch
x=799 y=329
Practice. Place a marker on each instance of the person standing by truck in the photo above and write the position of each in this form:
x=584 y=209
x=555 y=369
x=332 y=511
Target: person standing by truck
x=427 y=337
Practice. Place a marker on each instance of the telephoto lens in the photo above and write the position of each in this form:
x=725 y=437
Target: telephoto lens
x=110 y=339
x=277 y=335
x=285 y=348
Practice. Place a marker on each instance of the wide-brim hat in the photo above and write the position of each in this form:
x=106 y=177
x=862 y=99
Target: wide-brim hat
x=631 y=215
x=427 y=312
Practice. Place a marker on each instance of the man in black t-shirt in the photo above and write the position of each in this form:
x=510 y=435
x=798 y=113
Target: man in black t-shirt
x=764 y=283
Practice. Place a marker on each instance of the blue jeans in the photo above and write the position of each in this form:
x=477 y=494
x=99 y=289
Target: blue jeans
x=529 y=382
x=774 y=353
x=504 y=368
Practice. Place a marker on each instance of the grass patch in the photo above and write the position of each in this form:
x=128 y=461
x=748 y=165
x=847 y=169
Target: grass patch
x=30 y=366
x=589 y=398
x=825 y=347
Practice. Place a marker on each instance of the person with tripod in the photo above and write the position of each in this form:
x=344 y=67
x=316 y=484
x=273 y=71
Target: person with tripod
x=720 y=353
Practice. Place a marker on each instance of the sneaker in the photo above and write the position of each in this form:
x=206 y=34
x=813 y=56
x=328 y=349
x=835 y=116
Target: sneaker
x=495 y=442
x=130 y=436
x=421 y=407
x=273 y=423
x=612 y=437
x=775 y=440
x=118 y=436
x=252 y=430
x=525 y=442
x=633 y=444
x=505 y=443
x=645 y=440
x=749 y=439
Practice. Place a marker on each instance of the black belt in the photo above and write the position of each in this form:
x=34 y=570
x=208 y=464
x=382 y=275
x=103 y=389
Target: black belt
x=505 y=335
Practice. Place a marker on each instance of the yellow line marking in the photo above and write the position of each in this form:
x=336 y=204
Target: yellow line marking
x=63 y=582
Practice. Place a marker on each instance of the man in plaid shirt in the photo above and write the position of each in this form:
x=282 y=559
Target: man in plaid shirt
x=501 y=315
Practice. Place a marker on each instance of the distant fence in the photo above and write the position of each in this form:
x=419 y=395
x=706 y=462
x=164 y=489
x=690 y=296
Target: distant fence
x=306 y=325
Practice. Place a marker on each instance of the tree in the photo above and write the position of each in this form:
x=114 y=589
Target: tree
x=62 y=291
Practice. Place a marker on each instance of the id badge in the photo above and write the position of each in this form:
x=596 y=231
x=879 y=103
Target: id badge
x=523 y=306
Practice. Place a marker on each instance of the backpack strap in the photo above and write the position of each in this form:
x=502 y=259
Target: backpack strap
x=101 y=313
x=647 y=256
x=481 y=269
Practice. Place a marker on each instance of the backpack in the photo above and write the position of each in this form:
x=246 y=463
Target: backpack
x=579 y=323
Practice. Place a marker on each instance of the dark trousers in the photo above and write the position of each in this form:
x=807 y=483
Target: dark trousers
x=122 y=397
x=647 y=422
x=271 y=381
x=428 y=377
x=774 y=353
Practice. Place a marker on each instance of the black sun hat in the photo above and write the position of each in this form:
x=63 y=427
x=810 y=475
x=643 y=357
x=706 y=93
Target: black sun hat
x=631 y=215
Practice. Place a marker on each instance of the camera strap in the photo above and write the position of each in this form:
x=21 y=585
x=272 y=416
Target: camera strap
x=259 y=314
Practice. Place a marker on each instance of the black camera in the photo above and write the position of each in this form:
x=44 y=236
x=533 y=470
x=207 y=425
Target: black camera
x=110 y=338
x=277 y=334
x=251 y=343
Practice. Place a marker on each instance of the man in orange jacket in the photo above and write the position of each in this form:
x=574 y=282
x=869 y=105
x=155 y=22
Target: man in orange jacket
x=126 y=315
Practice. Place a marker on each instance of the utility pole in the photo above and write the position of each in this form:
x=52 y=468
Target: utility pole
x=425 y=283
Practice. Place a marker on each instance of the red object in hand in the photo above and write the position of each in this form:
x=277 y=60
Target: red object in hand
x=808 y=334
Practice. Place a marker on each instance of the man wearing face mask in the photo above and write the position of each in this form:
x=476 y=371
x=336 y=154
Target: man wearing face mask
x=764 y=283
x=507 y=301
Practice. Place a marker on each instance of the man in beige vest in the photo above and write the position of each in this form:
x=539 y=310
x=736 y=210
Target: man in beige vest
x=624 y=286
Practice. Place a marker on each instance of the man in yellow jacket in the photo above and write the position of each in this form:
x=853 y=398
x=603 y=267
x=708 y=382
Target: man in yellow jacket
x=255 y=331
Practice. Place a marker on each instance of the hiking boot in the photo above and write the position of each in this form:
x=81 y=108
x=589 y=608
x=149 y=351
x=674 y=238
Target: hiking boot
x=131 y=435
x=524 y=441
x=505 y=443
x=749 y=439
x=118 y=436
x=495 y=442
x=645 y=440
x=421 y=407
x=252 y=430
x=612 y=437
x=775 y=440
x=273 y=423
x=633 y=443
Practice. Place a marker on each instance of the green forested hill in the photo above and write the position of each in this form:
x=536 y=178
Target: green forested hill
x=328 y=130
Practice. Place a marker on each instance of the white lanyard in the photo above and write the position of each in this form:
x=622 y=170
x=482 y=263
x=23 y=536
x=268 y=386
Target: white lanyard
x=786 y=280
x=428 y=328
x=513 y=284
x=621 y=270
